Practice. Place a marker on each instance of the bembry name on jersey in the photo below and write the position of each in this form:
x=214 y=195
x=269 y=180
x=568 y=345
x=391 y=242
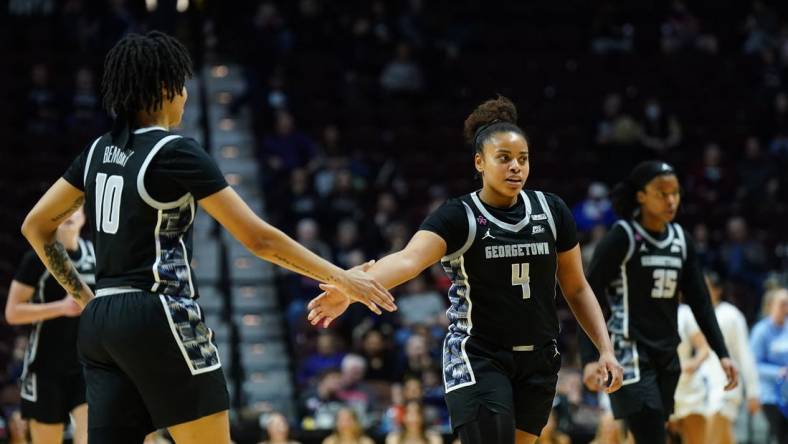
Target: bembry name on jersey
x=516 y=250
x=113 y=154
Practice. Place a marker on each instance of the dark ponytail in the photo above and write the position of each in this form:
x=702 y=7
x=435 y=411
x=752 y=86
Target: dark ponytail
x=624 y=199
x=624 y=194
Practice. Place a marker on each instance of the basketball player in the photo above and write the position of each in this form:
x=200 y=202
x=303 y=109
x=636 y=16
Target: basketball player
x=640 y=266
x=53 y=386
x=150 y=361
x=503 y=248
x=726 y=405
x=691 y=396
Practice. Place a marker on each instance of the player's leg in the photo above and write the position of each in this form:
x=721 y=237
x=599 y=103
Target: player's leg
x=479 y=391
x=117 y=413
x=212 y=428
x=693 y=429
x=522 y=437
x=720 y=430
x=161 y=344
x=534 y=390
x=43 y=433
x=487 y=427
x=80 y=416
x=647 y=426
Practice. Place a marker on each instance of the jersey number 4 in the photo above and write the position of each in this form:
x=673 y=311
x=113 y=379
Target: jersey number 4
x=520 y=277
x=664 y=283
x=108 y=192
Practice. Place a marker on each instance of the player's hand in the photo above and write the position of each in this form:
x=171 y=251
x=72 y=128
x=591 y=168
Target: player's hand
x=753 y=405
x=730 y=372
x=591 y=376
x=328 y=306
x=69 y=307
x=359 y=286
x=610 y=372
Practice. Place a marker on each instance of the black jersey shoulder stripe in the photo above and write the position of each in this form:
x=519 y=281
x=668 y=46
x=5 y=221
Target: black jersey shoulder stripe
x=87 y=162
x=546 y=209
x=630 y=236
x=506 y=226
x=471 y=235
x=143 y=192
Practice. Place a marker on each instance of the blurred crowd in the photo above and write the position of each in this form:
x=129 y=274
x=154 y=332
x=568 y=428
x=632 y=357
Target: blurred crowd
x=358 y=109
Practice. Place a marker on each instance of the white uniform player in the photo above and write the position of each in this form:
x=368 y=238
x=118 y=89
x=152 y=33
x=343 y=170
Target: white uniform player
x=691 y=392
x=734 y=330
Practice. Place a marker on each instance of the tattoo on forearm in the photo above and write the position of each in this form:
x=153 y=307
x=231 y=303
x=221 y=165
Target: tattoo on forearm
x=306 y=272
x=77 y=203
x=62 y=269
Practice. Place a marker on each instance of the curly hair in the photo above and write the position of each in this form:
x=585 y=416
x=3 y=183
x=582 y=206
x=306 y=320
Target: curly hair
x=136 y=70
x=492 y=116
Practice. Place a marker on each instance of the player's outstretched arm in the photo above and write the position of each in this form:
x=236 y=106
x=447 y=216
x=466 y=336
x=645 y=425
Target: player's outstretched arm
x=19 y=310
x=269 y=243
x=40 y=226
x=424 y=249
x=586 y=309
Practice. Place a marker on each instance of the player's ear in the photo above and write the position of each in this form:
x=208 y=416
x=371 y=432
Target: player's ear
x=478 y=160
x=640 y=196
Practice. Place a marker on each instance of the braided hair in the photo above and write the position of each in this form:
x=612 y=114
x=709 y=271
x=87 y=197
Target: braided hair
x=493 y=116
x=136 y=70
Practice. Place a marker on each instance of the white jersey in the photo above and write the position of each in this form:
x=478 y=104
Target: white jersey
x=691 y=390
x=735 y=332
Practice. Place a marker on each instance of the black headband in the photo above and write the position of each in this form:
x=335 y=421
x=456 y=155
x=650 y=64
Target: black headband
x=481 y=129
x=647 y=171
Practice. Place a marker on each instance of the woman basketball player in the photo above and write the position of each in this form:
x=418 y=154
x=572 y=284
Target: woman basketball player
x=503 y=248
x=691 y=400
x=640 y=266
x=53 y=385
x=150 y=361
x=725 y=406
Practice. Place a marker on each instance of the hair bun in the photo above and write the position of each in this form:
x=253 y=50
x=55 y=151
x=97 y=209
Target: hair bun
x=500 y=109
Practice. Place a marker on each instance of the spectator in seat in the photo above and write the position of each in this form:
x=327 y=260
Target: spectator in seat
x=769 y=342
x=595 y=210
x=277 y=429
x=413 y=429
x=402 y=74
x=321 y=403
x=348 y=430
x=327 y=356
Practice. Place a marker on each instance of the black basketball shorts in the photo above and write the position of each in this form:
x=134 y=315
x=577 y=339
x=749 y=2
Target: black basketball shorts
x=650 y=380
x=50 y=398
x=520 y=383
x=150 y=362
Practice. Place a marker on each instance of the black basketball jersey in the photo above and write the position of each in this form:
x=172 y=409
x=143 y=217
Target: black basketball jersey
x=648 y=285
x=503 y=273
x=142 y=240
x=52 y=344
x=640 y=276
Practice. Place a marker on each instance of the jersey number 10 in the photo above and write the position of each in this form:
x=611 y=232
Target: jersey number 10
x=664 y=283
x=520 y=276
x=108 y=192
